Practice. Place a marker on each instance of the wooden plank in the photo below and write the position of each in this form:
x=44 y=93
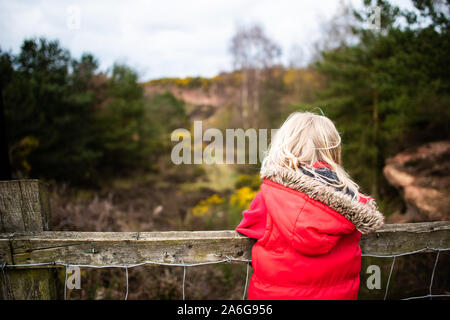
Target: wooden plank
x=25 y=207
x=406 y=237
x=35 y=205
x=11 y=207
x=44 y=201
x=5 y=250
x=33 y=284
x=128 y=248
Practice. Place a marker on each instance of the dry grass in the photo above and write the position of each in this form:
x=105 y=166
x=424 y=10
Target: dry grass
x=142 y=206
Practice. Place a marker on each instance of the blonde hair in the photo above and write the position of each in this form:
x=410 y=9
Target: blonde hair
x=305 y=138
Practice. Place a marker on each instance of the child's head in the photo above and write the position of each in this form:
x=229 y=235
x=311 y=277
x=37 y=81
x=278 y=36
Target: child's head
x=305 y=138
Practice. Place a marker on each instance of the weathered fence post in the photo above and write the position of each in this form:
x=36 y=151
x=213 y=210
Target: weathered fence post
x=24 y=206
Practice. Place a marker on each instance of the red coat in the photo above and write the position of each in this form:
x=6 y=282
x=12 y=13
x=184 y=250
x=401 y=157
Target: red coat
x=305 y=248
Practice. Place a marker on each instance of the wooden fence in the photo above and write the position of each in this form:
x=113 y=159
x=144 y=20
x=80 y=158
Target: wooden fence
x=25 y=240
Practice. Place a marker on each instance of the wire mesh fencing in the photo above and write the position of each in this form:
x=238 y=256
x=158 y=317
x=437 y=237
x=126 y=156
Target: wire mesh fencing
x=227 y=259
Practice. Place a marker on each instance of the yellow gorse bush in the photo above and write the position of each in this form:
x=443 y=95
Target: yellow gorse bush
x=242 y=198
x=204 y=207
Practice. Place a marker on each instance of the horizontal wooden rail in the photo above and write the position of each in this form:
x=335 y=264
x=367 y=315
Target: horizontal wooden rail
x=128 y=248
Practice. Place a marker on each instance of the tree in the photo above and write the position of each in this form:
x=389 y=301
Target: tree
x=47 y=116
x=390 y=90
x=5 y=74
x=118 y=123
x=336 y=32
x=68 y=122
x=253 y=54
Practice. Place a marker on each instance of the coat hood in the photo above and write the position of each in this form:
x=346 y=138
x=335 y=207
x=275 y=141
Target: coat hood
x=365 y=216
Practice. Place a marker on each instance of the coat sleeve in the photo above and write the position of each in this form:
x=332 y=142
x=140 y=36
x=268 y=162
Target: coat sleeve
x=253 y=223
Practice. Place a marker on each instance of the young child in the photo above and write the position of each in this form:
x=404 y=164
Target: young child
x=308 y=217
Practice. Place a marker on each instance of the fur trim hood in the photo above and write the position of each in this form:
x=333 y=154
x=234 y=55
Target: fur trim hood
x=365 y=216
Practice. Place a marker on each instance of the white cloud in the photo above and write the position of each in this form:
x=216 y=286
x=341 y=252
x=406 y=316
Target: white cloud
x=162 y=38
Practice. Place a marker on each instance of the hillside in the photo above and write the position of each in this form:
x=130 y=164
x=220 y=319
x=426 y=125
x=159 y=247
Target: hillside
x=205 y=96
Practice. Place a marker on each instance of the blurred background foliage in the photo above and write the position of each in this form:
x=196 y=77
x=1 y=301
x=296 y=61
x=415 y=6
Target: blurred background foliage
x=385 y=89
x=102 y=139
x=69 y=123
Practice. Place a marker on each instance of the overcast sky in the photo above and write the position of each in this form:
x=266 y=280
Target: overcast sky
x=164 y=38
